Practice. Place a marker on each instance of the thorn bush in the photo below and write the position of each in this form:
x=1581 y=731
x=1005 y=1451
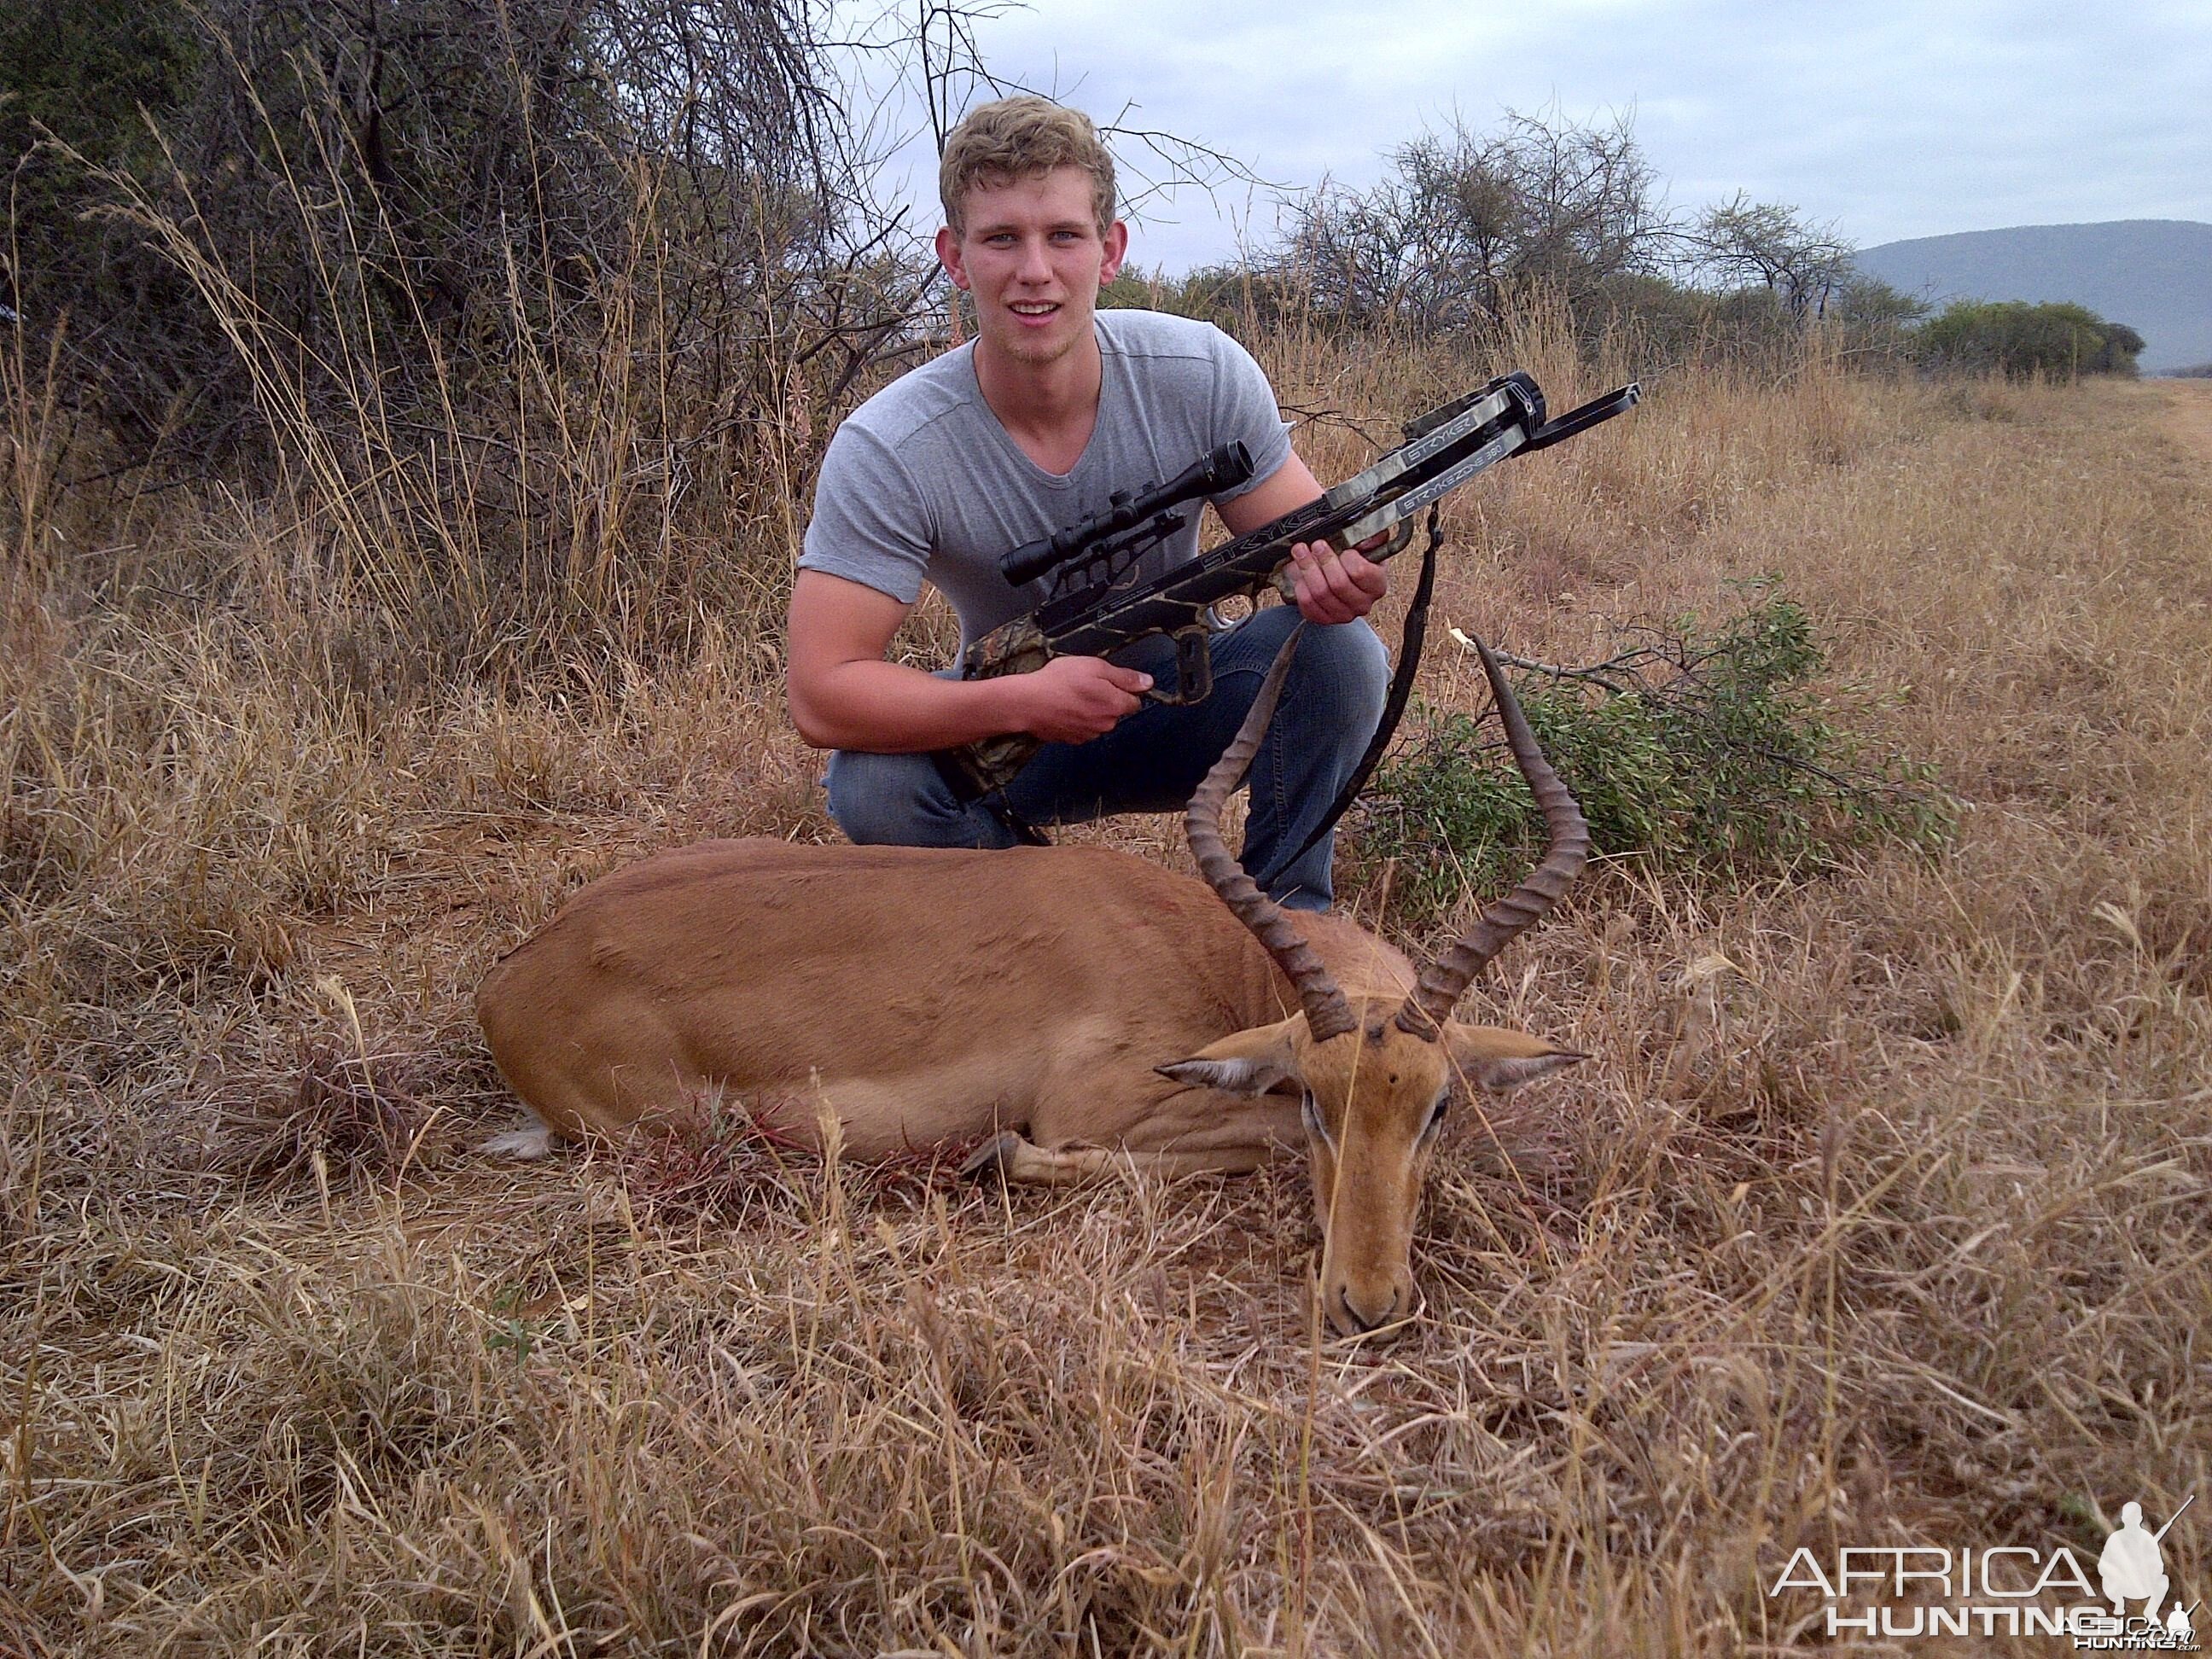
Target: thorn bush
x=1708 y=754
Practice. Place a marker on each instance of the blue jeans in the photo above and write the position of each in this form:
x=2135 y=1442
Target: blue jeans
x=1155 y=759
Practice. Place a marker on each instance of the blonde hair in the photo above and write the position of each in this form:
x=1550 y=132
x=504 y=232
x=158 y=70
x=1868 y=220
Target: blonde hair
x=1018 y=138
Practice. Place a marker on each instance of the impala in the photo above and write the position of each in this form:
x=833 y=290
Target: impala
x=1079 y=1007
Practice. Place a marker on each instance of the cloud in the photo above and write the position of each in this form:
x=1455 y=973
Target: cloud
x=1894 y=119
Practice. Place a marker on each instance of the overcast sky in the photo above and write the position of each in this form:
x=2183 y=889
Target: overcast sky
x=1892 y=119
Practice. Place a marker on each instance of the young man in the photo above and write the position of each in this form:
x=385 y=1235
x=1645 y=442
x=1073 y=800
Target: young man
x=1054 y=406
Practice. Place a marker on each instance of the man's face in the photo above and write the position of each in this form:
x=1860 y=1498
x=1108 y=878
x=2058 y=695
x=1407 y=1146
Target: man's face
x=1033 y=257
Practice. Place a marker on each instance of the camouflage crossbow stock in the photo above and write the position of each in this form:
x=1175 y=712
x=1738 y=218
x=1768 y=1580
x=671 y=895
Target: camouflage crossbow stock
x=1096 y=604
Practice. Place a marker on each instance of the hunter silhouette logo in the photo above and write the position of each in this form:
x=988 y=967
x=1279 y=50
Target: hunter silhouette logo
x=2008 y=1589
x=2133 y=1568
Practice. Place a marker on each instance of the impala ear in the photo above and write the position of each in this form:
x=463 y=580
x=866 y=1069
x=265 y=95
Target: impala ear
x=1497 y=1060
x=1248 y=1062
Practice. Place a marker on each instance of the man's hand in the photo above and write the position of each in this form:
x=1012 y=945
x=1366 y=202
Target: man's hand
x=1336 y=587
x=1075 y=699
x=1329 y=587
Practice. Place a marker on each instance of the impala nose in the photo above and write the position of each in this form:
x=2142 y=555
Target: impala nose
x=1358 y=1314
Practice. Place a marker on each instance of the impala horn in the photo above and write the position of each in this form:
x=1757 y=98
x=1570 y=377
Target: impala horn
x=1326 y=1013
x=1445 y=980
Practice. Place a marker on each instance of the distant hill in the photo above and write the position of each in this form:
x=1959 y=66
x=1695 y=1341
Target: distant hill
x=2154 y=275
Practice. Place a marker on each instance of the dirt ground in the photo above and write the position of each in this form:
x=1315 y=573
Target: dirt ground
x=2189 y=413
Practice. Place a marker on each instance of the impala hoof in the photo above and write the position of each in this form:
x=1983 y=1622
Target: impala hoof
x=996 y=1157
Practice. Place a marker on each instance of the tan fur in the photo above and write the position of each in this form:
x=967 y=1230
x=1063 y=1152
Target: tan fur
x=928 y=996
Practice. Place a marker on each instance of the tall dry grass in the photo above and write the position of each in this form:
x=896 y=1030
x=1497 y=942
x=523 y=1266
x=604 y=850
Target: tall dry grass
x=1880 y=1216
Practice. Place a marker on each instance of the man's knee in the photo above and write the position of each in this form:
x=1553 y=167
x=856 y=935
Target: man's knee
x=1339 y=683
x=1349 y=665
x=896 y=800
x=1345 y=662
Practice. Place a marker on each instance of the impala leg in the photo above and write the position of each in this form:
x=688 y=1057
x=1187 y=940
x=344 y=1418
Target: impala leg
x=1014 y=1159
x=1179 y=1132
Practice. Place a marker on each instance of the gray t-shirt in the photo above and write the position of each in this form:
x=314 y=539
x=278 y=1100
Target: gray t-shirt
x=921 y=482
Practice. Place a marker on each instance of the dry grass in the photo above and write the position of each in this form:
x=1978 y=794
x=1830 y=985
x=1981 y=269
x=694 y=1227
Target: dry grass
x=1881 y=1217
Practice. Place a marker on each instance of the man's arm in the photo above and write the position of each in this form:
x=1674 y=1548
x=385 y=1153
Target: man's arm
x=844 y=695
x=1331 y=586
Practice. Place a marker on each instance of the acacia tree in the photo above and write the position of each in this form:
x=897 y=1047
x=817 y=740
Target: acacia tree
x=409 y=194
x=79 y=82
x=1467 y=222
x=1740 y=243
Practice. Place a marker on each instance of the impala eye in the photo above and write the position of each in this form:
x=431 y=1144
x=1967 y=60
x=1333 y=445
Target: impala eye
x=1311 y=1111
x=1436 y=1117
